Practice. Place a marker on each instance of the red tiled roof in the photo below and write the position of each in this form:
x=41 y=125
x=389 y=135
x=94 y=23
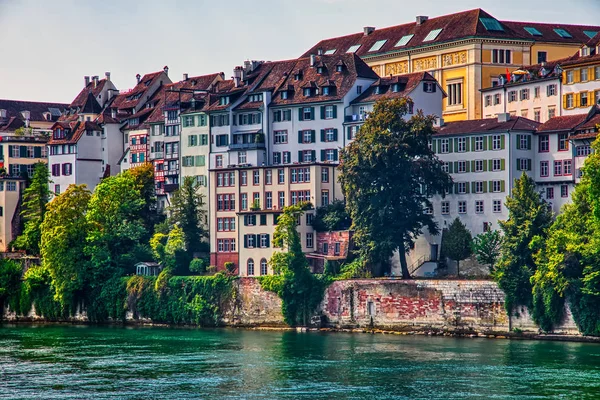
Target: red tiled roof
x=465 y=24
x=81 y=98
x=36 y=109
x=77 y=130
x=562 y=123
x=486 y=125
x=407 y=84
x=137 y=95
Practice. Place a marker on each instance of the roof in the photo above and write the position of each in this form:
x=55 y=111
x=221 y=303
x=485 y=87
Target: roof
x=407 y=84
x=573 y=122
x=138 y=94
x=486 y=125
x=77 y=129
x=91 y=105
x=36 y=110
x=94 y=88
x=461 y=25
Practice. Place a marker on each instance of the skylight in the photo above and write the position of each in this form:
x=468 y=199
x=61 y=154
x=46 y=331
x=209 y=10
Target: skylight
x=404 y=40
x=330 y=52
x=491 y=24
x=532 y=31
x=353 y=49
x=432 y=35
x=590 y=34
x=378 y=45
x=562 y=33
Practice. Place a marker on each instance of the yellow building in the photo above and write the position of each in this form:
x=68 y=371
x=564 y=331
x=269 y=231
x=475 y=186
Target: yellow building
x=465 y=52
x=581 y=80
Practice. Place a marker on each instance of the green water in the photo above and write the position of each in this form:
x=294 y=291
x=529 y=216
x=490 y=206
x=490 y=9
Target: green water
x=67 y=362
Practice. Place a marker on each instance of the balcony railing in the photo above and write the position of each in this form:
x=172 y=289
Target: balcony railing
x=171 y=187
x=171 y=155
x=355 y=118
x=157 y=155
x=246 y=146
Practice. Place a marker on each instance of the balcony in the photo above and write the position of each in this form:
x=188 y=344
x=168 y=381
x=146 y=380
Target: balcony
x=246 y=146
x=171 y=155
x=171 y=187
x=157 y=155
x=354 y=118
x=171 y=172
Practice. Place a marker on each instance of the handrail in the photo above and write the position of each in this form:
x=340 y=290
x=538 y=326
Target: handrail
x=419 y=263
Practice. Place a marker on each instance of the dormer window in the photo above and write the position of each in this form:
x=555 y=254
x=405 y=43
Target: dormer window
x=319 y=70
x=297 y=76
x=585 y=51
x=255 y=98
x=326 y=91
x=223 y=101
x=377 y=90
x=429 y=87
x=339 y=68
x=284 y=95
x=395 y=88
x=306 y=92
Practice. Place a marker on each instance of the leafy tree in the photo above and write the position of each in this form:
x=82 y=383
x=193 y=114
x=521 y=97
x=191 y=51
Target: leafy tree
x=529 y=216
x=35 y=198
x=63 y=232
x=300 y=291
x=388 y=175
x=115 y=226
x=332 y=217
x=10 y=283
x=144 y=178
x=486 y=247
x=187 y=211
x=457 y=242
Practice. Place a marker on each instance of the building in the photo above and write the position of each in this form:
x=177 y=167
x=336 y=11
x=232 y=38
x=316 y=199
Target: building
x=484 y=157
x=28 y=117
x=532 y=92
x=581 y=79
x=464 y=52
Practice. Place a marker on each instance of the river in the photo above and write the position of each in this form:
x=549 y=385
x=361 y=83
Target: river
x=83 y=362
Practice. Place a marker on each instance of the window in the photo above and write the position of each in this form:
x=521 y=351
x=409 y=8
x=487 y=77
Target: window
x=281 y=176
x=479 y=143
x=564 y=191
x=268 y=177
x=256 y=178
x=462 y=207
x=358 y=89
x=496 y=164
x=404 y=40
x=570 y=76
x=462 y=167
x=551 y=112
x=324 y=198
x=280 y=137
x=250 y=264
x=287 y=158
x=445 y=167
x=324 y=174
x=309 y=219
x=500 y=56
x=454 y=93
x=445 y=207
x=563 y=143
x=497 y=99
x=309 y=240
x=584 y=151
x=562 y=33
x=512 y=96
x=524 y=113
x=524 y=94
x=264 y=240
x=353 y=48
x=583 y=74
x=549 y=193
x=479 y=206
x=55 y=170
x=542 y=56
x=497 y=206
x=537 y=115
x=478 y=165
x=543 y=168
x=276 y=157
x=432 y=35
x=462 y=145
x=330 y=135
x=307 y=92
x=429 y=87
x=523 y=142
x=524 y=164
x=226 y=202
x=263 y=266
x=281 y=200
x=377 y=45
x=583 y=99
x=496 y=142
x=242 y=157
x=307 y=113
x=445 y=146
x=307 y=136
x=269 y=200
x=496 y=186
x=330 y=155
x=567 y=164
x=488 y=100
x=551 y=90
x=56 y=188
x=461 y=187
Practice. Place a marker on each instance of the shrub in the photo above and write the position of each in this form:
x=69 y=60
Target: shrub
x=211 y=270
x=230 y=267
x=198 y=266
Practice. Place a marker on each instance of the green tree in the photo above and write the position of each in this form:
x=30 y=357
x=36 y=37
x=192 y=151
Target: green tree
x=486 y=247
x=529 y=216
x=35 y=198
x=388 y=175
x=300 y=291
x=10 y=284
x=457 y=242
x=63 y=232
x=187 y=211
x=144 y=179
x=332 y=217
x=115 y=226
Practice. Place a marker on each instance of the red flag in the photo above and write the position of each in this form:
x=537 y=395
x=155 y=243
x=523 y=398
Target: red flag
x=507 y=76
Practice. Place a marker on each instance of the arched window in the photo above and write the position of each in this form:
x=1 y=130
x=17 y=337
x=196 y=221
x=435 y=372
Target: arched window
x=250 y=267
x=263 y=266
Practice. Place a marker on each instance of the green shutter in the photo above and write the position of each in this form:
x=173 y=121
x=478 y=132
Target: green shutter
x=528 y=142
x=450 y=141
x=473 y=143
x=467 y=188
x=485 y=143
x=490 y=165
x=334 y=111
x=349 y=133
x=518 y=142
x=491 y=186
x=299 y=136
x=455 y=144
x=450 y=169
x=473 y=188
x=312 y=136
x=312 y=113
x=529 y=164
x=299 y=155
x=335 y=154
x=322 y=135
x=468 y=144
x=1 y=152
x=518 y=162
x=473 y=165
x=455 y=166
x=502 y=137
x=502 y=186
x=323 y=155
x=484 y=185
x=300 y=115
x=502 y=164
x=268 y=240
x=322 y=112
x=335 y=135
x=467 y=166
x=485 y=165
x=490 y=142
x=37 y=152
x=22 y=151
x=313 y=155
x=245 y=241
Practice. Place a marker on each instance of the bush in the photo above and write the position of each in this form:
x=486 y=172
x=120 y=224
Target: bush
x=211 y=270
x=230 y=267
x=198 y=266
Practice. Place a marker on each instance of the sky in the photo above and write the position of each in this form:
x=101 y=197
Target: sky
x=48 y=46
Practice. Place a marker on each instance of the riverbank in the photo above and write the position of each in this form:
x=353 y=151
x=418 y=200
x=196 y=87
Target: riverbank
x=471 y=308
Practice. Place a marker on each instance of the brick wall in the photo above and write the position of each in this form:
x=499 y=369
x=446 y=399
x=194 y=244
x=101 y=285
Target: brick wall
x=219 y=260
x=331 y=238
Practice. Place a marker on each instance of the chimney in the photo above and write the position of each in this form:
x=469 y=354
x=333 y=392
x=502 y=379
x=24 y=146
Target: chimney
x=439 y=122
x=185 y=77
x=313 y=60
x=237 y=75
x=421 y=19
x=503 y=117
x=166 y=69
x=107 y=75
x=368 y=30
x=138 y=77
x=86 y=80
x=95 y=79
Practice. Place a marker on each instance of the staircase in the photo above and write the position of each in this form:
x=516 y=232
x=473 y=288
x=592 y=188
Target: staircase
x=419 y=263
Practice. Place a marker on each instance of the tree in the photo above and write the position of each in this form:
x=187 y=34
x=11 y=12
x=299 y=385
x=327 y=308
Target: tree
x=301 y=292
x=63 y=234
x=457 y=242
x=388 y=175
x=486 y=247
x=187 y=211
x=35 y=198
x=529 y=216
x=144 y=179
x=332 y=217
